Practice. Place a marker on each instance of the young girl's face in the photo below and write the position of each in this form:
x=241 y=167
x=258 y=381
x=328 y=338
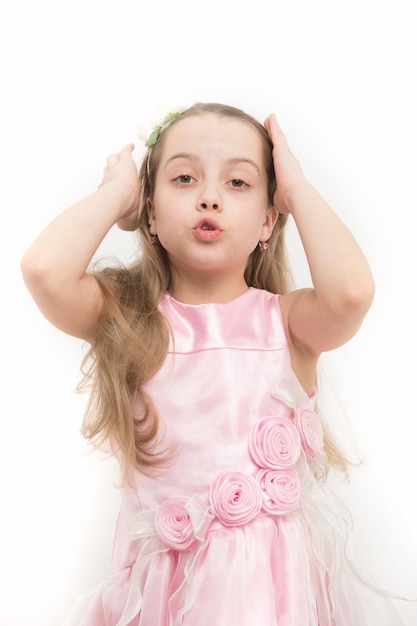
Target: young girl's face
x=210 y=206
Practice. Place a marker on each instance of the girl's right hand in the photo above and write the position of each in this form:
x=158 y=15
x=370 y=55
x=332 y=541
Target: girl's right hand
x=121 y=168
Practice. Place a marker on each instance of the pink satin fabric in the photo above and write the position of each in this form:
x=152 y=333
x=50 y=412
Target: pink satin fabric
x=234 y=530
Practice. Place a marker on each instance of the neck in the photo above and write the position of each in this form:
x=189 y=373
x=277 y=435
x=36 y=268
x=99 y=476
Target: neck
x=204 y=289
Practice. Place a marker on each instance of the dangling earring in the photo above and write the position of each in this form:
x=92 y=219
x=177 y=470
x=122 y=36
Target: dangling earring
x=154 y=240
x=263 y=245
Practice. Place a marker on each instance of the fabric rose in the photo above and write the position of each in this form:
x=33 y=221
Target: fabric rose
x=236 y=498
x=173 y=524
x=274 y=443
x=281 y=490
x=309 y=426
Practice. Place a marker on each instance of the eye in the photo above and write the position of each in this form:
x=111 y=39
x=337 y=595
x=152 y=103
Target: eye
x=184 y=179
x=237 y=183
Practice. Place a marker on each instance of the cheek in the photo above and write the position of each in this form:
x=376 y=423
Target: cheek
x=250 y=233
x=255 y=221
x=160 y=208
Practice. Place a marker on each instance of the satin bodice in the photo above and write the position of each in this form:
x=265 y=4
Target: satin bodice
x=228 y=365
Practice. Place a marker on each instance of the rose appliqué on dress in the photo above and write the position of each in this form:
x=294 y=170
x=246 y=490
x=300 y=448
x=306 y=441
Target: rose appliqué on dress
x=309 y=426
x=173 y=524
x=281 y=490
x=274 y=443
x=236 y=498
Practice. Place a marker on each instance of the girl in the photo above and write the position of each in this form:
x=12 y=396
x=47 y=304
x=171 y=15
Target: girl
x=203 y=378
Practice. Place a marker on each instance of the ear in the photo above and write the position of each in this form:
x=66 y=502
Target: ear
x=151 y=216
x=271 y=218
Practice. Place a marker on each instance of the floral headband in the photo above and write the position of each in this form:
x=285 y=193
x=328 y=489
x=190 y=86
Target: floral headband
x=169 y=117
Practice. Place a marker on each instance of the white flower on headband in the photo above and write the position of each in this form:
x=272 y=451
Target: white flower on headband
x=150 y=138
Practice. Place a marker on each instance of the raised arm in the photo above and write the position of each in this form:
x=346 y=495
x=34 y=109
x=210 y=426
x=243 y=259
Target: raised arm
x=55 y=266
x=329 y=314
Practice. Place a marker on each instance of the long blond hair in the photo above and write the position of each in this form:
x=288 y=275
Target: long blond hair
x=132 y=339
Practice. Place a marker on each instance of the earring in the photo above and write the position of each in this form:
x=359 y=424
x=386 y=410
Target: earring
x=263 y=245
x=154 y=240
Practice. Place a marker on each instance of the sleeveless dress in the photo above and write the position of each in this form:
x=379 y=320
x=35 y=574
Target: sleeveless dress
x=235 y=530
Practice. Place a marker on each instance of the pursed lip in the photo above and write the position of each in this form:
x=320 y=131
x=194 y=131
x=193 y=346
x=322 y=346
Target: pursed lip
x=207 y=222
x=207 y=230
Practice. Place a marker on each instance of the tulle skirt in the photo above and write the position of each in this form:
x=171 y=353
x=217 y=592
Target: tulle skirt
x=287 y=570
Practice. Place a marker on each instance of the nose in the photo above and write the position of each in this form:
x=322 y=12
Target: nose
x=209 y=204
x=209 y=200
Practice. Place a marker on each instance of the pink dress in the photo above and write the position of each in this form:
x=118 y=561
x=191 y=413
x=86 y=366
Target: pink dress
x=235 y=530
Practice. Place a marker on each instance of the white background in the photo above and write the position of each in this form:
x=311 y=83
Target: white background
x=79 y=79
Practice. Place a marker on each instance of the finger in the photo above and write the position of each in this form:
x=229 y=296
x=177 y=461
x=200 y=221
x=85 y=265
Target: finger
x=112 y=160
x=272 y=125
x=267 y=122
x=276 y=133
x=128 y=149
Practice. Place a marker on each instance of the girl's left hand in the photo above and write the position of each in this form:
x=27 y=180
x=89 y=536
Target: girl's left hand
x=288 y=171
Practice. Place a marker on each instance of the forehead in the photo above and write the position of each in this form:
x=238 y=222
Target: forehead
x=214 y=135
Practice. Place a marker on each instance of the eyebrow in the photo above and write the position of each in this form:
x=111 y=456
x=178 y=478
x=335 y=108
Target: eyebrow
x=190 y=156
